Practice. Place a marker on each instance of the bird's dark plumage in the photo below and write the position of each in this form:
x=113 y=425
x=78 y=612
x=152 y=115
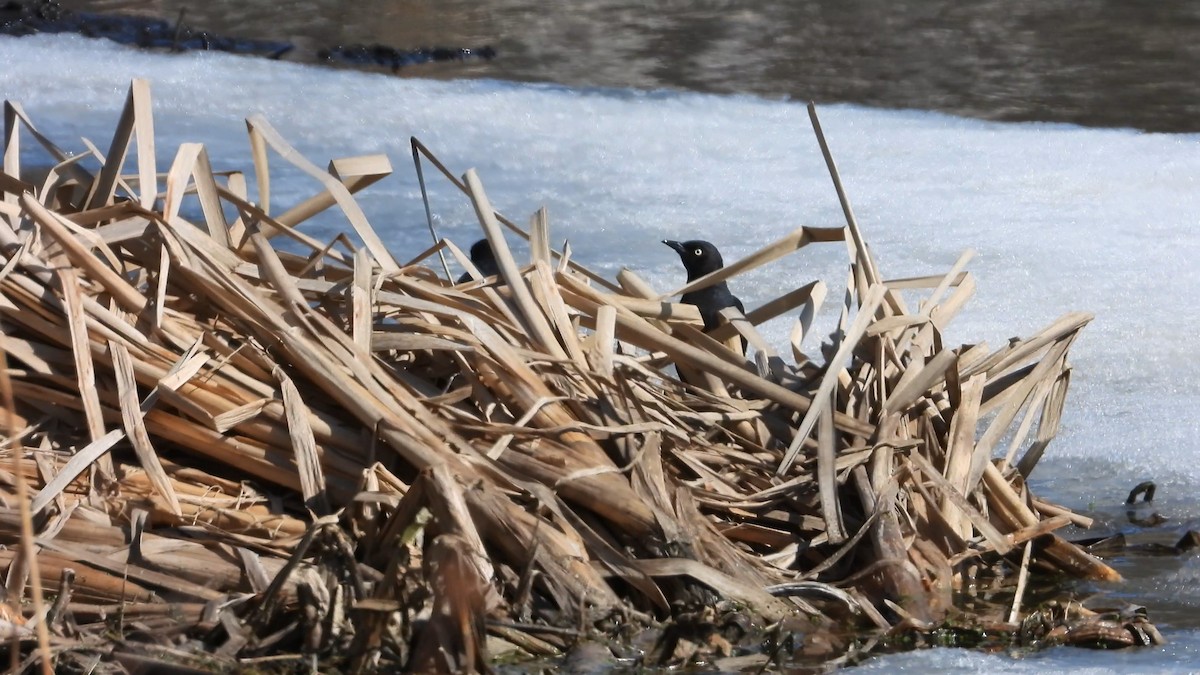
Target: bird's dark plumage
x=701 y=258
x=483 y=259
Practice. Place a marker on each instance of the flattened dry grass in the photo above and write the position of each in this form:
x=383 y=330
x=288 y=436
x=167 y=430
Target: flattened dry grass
x=338 y=455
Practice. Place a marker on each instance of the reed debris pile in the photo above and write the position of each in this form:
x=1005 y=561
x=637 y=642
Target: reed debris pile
x=223 y=451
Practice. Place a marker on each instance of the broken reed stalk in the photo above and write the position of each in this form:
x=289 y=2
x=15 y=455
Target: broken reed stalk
x=28 y=560
x=340 y=438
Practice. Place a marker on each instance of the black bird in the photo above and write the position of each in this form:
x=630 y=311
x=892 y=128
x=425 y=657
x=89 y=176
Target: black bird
x=483 y=259
x=701 y=258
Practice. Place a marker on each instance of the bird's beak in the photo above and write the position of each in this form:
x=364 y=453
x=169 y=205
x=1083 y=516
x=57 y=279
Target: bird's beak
x=675 y=245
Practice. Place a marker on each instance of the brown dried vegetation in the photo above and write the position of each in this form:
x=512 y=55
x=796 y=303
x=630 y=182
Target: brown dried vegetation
x=214 y=445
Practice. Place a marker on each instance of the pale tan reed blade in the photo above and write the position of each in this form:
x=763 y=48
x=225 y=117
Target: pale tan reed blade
x=1034 y=409
x=601 y=354
x=809 y=296
x=917 y=380
x=563 y=257
x=178 y=178
x=160 y=288
x=1014 y=614
x=539 y=238
x=955 y=277
x=949 y=492
x=635 y=285
x=794 y=241
x=15 y=118
x=308 y=461
x=134 y=118
x=79 y=462
x=531 y=316
x=53 y=224
x=545 y=291
x=835 y=531
x=928 y=281
x=1002 y=361
x=192 y=162
x=144 y=132
x=345 y=200
x=10 y=214
x=1019 y=397
x=27 y=550
x=1055 y=511
x=235 y=185
x=960 y=450
x=262 y=166
x=1048 y=426
x=673 y=312
x=760 y=601
x=863 y=257
x=743 y=329
x=135 y=427
x=871 y=301
x=949 y=308
x=803 y=325
x=355 y=173
x=268 y=225
x=361 y=293
x=85 y=372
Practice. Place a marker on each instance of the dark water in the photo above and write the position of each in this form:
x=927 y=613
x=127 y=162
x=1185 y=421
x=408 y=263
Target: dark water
x=1097 y=63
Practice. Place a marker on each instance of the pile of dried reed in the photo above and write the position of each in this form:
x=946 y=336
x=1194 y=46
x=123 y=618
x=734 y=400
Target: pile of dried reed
x=216 y=445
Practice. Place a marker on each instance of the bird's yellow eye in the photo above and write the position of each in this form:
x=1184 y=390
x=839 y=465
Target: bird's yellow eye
x=697 y=252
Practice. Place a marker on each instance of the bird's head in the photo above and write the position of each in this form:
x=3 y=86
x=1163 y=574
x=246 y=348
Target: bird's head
x=483 y=259
x=481 y=251
x=699 y=257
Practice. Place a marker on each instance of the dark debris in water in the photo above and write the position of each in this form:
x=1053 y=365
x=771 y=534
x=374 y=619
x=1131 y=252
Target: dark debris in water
x=30 y=18
x=20 y=18
x=1141 y=515
x=389 y=57
x=1118 y=544
x=807 y=644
